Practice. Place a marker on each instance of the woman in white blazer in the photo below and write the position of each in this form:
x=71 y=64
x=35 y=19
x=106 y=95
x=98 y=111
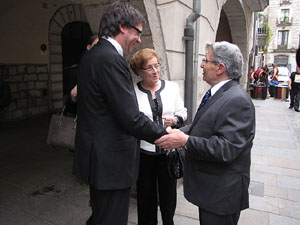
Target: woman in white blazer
x=159 y=100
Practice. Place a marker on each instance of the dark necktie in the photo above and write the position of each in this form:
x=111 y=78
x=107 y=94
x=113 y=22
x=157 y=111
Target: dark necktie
x=204 y=99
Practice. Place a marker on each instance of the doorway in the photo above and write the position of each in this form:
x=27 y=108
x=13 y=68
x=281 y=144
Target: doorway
x=75 y=37
x=224 y=31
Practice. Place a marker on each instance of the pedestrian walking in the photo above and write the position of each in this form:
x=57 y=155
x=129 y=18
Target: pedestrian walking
x=294 y=87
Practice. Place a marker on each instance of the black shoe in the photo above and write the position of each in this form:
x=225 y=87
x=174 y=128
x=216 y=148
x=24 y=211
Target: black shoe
x=291 y=107
x=297 y=110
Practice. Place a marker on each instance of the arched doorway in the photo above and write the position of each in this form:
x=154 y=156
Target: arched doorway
x=61 y=18
x=233 y=28
x=224 y=32
x=75 y=37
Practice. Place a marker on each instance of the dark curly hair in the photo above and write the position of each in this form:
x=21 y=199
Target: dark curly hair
x=119 y=14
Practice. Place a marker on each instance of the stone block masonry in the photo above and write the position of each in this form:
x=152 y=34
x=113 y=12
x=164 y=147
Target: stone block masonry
x=29 y=85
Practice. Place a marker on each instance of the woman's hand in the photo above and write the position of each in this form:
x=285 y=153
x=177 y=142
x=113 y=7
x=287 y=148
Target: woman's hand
x=169 y=121
x=74 y=94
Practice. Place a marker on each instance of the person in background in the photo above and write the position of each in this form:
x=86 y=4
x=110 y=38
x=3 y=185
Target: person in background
x=274 y=78
x=294 y=87
x=261 y=75
x=275 y=73
x=252 y=74
x=93 y=40
x=298 y=57
x=71 y=97
x=218 y=142
x=108 y=118
x=160 y=100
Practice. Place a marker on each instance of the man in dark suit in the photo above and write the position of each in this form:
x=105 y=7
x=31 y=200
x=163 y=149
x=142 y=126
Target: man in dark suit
x=298 y=57
x=218 y=142
x=109 y=120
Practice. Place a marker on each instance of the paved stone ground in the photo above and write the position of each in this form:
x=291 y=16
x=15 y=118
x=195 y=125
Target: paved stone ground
x=275 y=170
x=37 y=188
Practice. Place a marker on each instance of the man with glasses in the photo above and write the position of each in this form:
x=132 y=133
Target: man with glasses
x=109 y=121
x=218 y=142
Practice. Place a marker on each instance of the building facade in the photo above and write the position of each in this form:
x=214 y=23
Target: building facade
x=35 y=33
x=284 y=23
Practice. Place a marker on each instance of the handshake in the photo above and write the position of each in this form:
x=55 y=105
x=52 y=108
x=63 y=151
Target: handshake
x=174 y=139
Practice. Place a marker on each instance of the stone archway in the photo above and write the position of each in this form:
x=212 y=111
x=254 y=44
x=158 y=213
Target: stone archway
x=239 y=33
x=61 y=17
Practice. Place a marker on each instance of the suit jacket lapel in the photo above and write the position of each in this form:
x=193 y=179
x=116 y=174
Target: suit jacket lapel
x=212 y=100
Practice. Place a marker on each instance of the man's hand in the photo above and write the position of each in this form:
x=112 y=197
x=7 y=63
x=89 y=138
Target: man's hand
x=174 y=139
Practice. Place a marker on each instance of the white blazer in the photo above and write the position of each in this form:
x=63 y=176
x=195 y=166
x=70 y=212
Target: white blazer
x=168 y=96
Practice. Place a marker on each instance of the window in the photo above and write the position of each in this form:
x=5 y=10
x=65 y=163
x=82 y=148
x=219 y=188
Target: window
x=281 y=60
x=282 y=38
x=285 y=15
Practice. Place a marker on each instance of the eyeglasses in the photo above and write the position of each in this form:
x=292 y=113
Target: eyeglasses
x=137 y=29
x=151 y=67
x=204 y=61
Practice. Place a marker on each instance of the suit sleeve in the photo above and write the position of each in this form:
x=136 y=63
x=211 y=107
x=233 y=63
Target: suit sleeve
x=119 y=90
x=232 y=131
x=185 y=129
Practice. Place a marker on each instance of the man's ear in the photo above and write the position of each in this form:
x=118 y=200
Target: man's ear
x=122 y=28
x=221 y=69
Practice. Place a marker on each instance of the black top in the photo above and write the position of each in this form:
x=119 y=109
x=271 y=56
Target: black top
x=157 y=109
x=295 y=80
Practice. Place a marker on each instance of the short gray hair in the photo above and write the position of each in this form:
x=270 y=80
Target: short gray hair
x=230 y=55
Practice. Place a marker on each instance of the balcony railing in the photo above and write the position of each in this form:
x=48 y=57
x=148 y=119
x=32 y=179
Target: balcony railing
x=262 y=31
x=284 y=20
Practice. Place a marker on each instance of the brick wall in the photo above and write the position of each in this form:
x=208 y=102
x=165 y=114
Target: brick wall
x=29 y=90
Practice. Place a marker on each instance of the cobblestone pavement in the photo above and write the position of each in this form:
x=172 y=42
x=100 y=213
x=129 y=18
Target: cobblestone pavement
x=37 y=188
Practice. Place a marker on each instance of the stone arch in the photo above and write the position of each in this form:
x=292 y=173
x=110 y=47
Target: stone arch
x=239 y=33
x=60 y=18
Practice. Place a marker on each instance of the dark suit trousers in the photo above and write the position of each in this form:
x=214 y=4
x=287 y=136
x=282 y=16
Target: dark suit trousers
x=109 y=207
x=209 y=218
x=293 y=93
x=154 y=182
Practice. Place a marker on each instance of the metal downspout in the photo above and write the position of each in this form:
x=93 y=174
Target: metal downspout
x=189 y=38
x=253 y=53
x=196 y=69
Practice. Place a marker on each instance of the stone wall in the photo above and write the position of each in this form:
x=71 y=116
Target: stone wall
x=29 y=90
